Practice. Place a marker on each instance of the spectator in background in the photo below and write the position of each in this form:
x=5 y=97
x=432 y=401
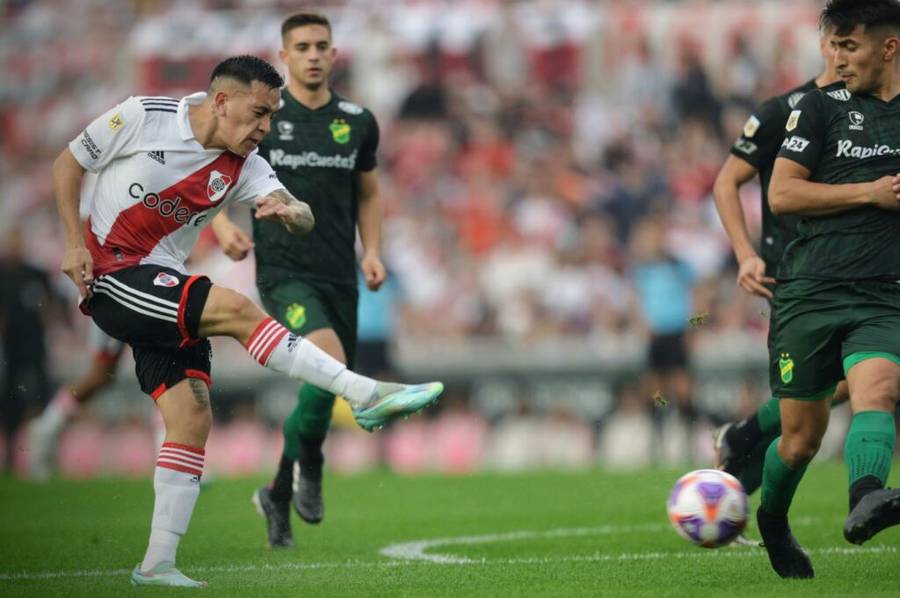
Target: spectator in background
x=27 y=300
x=665 y=288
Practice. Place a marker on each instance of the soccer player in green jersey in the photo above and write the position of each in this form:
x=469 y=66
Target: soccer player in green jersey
x=837 y=302
x=322 y=147
x=741 y=445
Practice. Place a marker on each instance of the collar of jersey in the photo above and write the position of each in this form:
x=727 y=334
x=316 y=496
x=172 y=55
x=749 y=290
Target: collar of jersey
x=184 y=123
x=287 y=94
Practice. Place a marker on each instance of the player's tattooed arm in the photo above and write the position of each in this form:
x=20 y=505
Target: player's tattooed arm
x=280 y=205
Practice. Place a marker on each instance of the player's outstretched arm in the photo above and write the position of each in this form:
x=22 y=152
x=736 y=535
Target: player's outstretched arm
x=280 y=205
x=77 y=262
x=791 y=192
x=726 y=191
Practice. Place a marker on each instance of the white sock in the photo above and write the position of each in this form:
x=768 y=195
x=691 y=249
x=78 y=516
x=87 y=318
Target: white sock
x=177 y=486
x=59 y=411
x=274 y=347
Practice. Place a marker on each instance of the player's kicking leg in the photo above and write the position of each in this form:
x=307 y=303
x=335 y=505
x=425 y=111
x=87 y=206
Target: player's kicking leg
x=869 y=448
x=45 y=430
x=374 y=403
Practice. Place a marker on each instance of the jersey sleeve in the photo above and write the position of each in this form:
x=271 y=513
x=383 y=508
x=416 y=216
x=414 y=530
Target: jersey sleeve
x=760 y=140
x=367 y=160
x=805 y=131
x=257 y=179
x=112 y=134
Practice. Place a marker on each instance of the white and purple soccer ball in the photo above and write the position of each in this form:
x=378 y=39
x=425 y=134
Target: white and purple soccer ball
x=708 y=507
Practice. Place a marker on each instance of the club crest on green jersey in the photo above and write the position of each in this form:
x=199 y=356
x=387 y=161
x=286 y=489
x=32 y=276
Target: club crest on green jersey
x=786 y=366
x=340 y=130
x=295 y=316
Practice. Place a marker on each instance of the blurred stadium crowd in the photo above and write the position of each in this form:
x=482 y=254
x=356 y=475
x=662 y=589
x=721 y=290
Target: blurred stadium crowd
x=545 y=165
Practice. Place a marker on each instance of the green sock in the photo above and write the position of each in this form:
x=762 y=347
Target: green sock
x=315 y=407
x=779 y=482
x=870 y=445
x=309 y=419
x=769 y=417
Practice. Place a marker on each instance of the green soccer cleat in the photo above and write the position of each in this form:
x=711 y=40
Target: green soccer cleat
x=163 y=574
x=396 y=400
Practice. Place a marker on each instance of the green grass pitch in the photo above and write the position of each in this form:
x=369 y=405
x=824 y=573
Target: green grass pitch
x=551 y=534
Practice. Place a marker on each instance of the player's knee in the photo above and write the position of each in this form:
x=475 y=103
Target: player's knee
x=879 y=395
x=799 y=449
x=240 y=308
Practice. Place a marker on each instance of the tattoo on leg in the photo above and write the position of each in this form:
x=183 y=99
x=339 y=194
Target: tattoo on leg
x=200 y=391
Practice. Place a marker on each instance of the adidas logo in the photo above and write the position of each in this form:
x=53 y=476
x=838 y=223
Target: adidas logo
x=159 y=156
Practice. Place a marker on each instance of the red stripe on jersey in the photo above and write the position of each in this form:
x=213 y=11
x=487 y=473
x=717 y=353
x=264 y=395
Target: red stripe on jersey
x=138 y=229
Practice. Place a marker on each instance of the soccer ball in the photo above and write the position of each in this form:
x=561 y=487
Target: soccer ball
x=708 y=507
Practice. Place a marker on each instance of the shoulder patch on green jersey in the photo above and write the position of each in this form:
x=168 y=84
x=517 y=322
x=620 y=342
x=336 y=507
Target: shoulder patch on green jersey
x=792 y=120
x=751 y=126
x=350 y=107
x=340 y=130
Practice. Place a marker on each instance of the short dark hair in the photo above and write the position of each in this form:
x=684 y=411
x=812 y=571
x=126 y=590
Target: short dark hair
x=302 y=19
x=843 y=16
x=247 y=69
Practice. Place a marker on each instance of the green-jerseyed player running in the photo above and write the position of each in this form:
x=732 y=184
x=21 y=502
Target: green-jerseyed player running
x=741 y=445
x=322 y=147
x=837 y=302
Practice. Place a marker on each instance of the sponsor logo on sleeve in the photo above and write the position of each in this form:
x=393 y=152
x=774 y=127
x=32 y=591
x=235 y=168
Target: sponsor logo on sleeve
x=350 y=107
x=285 y=130
x=856 y=120
x=751 y=126
x=164 y=279
x=839 y=94
x=795 y=143
x=217 y=186
x=747 y=147
x=116 y=122
x=792 y=120
x=87 y=142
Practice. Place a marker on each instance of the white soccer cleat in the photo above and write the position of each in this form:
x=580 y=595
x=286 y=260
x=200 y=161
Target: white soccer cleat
x=42 y=445
x=163 y=574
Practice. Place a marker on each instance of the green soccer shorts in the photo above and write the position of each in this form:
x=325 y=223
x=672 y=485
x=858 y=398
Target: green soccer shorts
x=820 y=329
x=305 y=306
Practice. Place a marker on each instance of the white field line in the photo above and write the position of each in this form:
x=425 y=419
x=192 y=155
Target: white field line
x=416 y=550
x=407 y=562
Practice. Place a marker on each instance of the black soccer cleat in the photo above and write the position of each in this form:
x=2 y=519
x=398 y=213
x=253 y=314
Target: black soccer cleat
x=278 y=518
x=728 y=458
x=787 y=558
x=308 y=493
x=874 y=512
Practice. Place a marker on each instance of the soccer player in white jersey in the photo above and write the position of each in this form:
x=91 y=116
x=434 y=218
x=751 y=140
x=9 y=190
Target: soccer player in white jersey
x=164 y=168
x=106 y=352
